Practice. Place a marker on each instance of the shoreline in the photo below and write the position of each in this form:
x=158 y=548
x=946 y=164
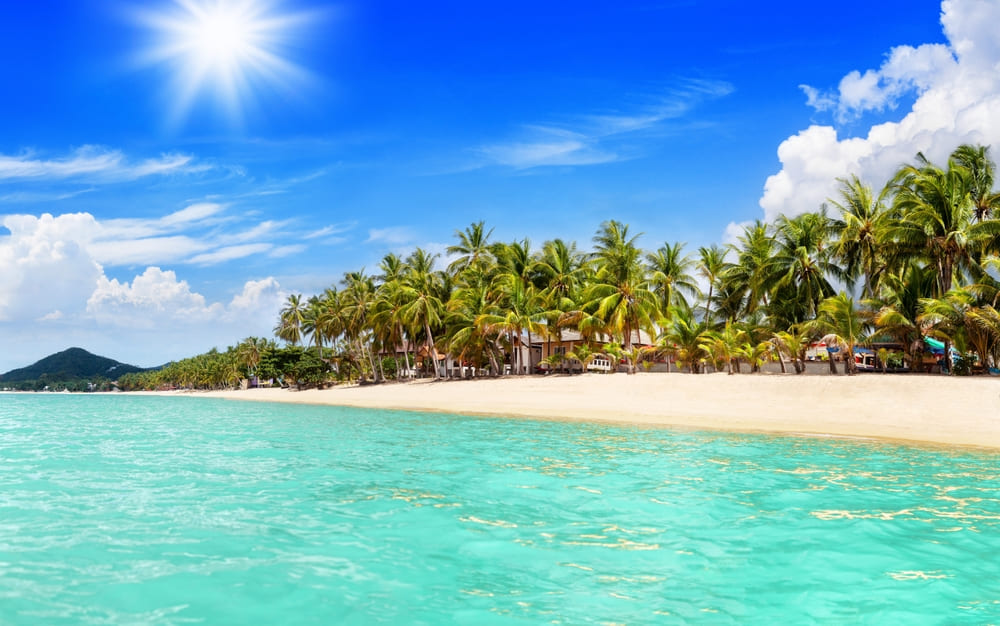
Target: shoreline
x=909 y=408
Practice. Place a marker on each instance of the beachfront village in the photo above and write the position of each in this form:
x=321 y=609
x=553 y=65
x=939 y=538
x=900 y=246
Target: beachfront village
x=902 y=278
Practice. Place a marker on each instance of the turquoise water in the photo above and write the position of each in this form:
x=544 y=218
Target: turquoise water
x=193 y=511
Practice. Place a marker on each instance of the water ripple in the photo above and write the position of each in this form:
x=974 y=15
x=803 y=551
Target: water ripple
x=182 y=511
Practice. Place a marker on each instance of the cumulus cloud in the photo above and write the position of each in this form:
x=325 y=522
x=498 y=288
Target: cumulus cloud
x=190 y=235
x=52 y=272
x=152 y=298
x=43 y=268
x=957 y=89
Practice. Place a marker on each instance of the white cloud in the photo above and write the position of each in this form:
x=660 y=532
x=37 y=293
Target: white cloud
x=281 y=252
x=553 y=152
x=193 y=213
x=257 y=295
x=117 y=252
x=157 y=299
x=95 y=163
x=229 y=253
x=189 y=235
x=592 y=139
x=735 y=230
x=54 y=293
x=154 y=297
x=42 y=267
x=957 y=90
x=392 y=235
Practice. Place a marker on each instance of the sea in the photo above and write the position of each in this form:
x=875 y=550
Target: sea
x=119 y=509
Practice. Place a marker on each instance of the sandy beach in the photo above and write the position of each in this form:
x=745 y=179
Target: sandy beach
x=915 y=408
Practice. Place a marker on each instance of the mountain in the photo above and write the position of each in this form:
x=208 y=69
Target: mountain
x=72 y=364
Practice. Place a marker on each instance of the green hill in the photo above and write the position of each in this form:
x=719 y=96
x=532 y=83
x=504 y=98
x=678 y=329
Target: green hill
x=68 y=365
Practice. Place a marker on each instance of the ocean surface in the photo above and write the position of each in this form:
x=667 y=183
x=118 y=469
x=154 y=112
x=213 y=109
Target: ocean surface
x=151 y=510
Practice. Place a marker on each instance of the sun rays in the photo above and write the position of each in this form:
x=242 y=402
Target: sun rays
x=223 y=52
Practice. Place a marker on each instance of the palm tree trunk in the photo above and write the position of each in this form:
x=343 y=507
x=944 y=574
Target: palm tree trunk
x=406 y=350
x=432 y=350
x=493 y=362
x=531 y=365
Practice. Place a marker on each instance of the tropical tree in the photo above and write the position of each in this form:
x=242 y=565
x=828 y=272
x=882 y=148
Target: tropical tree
x=742 y=281
x=670 y=277
x=845 y=325
x=935 y=219
x=473 y=248
x=620 y=294
x=798 y=274
x=422 y=294
x=979 y=173
x=862 y=228
x=684 y=337
x=711 y=264
x=291 y=319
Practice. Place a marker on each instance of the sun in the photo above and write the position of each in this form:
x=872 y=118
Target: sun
x=224 y=51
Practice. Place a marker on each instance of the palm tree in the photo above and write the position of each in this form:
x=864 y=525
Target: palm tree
x=798 y=273
x=423 y=294
x=843 y=324
x=957 y=319
x=711 y=264
x=743 y=280
x=862 y=227
x=620 y=294
x=358 y=300
x=669 y=276
x=725 y=345
x=979 y=168
x=466 y=339
x=683 y=337
x=898 y=306
x=291 y=318
x=472 y=249
x=935 y=218
x=562 y=271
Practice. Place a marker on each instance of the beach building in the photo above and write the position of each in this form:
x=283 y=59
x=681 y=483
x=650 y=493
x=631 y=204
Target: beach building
x=569 y=340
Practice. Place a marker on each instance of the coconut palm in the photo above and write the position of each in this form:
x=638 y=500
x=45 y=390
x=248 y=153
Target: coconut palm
x=898 y=306
x=861 y=228
x=473 y=248
x=711 y=264
x=669 y=275
x=358 y=301
x=683 y=338
x=980 y=169
x=619 y=294
x=845 y=325
x=725 y=345
x=423 y=293
x=935 y=219
x=798 y=275
x=743 y=280
x=290 y=320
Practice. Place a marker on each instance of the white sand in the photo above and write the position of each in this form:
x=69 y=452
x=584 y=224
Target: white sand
x=918 y=408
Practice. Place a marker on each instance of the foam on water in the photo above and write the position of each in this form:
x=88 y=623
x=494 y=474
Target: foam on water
x=183 y=511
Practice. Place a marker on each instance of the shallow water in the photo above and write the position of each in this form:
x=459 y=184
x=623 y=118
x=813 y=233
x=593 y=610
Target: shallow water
x=118 y=509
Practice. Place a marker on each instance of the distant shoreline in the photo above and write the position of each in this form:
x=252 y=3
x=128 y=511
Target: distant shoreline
x=924 y=409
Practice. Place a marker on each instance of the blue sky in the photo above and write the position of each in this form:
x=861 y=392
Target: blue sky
x=176 y=224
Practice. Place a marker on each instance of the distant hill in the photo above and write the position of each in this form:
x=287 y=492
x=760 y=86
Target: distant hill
x=72 y=364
